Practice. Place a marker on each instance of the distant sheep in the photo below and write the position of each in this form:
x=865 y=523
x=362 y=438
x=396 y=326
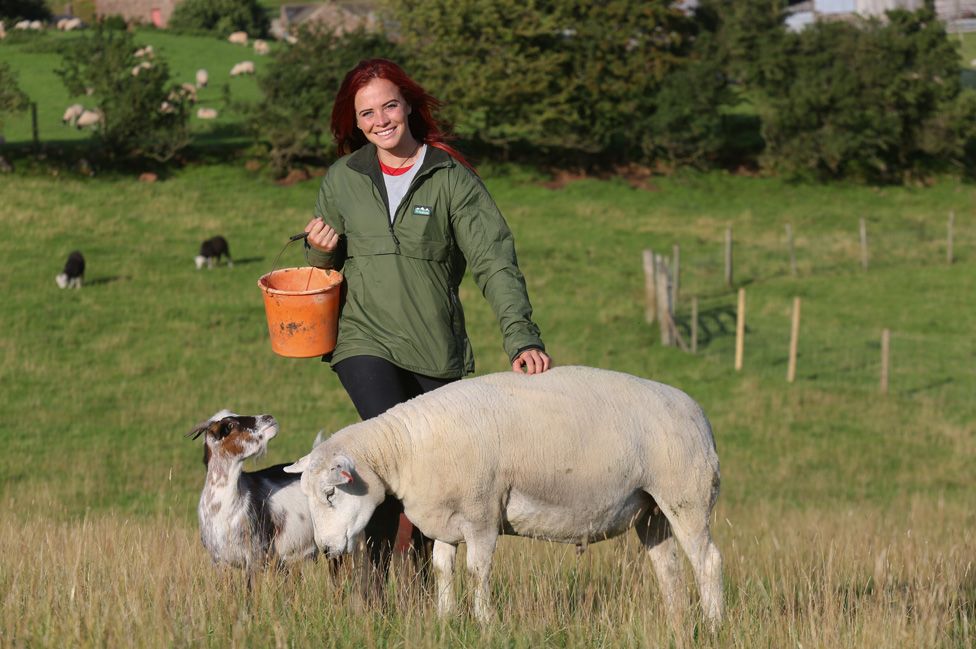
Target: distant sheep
x=261 y=47
x=68 y=24
x=238 y=38
x=88 y=118
x=202 y=78
x=146 y=51
x=244 y=67
x=206 y=113
x=167 y=108
x=211 y=251
x=145 y=65
x=73 y=274
x=36 y=25
x=71 y=113
x=23 y=24
x=573 y=455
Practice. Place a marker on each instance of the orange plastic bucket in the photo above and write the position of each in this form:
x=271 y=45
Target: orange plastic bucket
x=302 y=307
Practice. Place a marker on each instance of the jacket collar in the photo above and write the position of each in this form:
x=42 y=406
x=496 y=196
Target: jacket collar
x=365 y=161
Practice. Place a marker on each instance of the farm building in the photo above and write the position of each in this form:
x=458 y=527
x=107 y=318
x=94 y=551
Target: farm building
x=805 y=13
x=342 y=16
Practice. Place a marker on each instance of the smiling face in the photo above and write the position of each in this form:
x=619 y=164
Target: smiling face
x=381 y=114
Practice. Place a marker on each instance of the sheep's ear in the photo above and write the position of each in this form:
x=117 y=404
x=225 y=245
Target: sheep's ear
x=341 y=471
x=299 y=466
x=319 y=438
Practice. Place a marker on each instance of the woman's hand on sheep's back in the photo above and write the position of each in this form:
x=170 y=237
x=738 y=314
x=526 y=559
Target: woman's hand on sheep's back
x=532 y=361
x=321 y=235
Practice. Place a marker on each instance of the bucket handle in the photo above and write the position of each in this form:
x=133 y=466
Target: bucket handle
x=292 y=239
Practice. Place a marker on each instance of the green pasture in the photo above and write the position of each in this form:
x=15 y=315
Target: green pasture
x=100 y=383
x=35 y=57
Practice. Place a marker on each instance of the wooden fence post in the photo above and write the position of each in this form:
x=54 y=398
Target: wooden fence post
x=794 y=340
x=675 y=275
x=694 y=325
x=949 y=228
x=663 y=302
x=792 y=249
x=728 y=256
x=37 y=139
x=864 y=244
x=740 y=329
x=885 y=349
x=650 y=288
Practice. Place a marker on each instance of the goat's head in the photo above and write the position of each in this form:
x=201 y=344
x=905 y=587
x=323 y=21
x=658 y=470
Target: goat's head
x=341 y=498
x=231 y=436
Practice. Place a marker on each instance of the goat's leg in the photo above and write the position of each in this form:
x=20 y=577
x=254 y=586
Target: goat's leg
x=480 y=550
x=444 y=555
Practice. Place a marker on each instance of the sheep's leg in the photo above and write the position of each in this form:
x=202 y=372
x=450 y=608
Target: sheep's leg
x=655 y=534
x=480 y=550
x=444 y=555
x=691 y=530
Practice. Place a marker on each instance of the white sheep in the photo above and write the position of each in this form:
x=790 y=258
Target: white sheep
x=244 y=67
x=36 y=25
x=202 y=78
x=261 y=47
x=71 y=113
x=207 y=113
x=88 y=118
x=238 y=38
x=146 y=51
x=144 y=65
x=23 y=24
x=574 y=455
x=248 y=520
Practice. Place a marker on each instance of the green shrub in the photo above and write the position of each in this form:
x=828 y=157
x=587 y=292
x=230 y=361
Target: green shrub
x=133 y=122
x=220 y=17
x=12 y=98
x=13 y=10
x=299 y=86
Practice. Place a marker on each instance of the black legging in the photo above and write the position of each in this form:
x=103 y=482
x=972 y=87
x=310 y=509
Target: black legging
x=375 y=385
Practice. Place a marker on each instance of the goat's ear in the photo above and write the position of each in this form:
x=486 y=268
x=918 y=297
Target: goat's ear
x=341 y=471
x=299 y=466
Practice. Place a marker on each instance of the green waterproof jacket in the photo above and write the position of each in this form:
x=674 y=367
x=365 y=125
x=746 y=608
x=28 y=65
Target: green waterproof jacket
x=401 y=295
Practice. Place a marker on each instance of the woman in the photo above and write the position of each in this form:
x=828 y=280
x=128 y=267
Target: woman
x=402 y=214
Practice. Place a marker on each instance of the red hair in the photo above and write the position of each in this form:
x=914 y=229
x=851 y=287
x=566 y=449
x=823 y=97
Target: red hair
x=423 y=125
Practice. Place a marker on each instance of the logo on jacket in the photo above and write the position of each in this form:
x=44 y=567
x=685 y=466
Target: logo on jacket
x=421 y=210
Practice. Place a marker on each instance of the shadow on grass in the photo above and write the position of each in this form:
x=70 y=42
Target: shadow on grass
x=714 y=322
x=247 y=260
x=111 y=279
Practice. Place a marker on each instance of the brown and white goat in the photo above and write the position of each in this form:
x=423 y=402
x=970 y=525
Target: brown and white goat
x=249 y=519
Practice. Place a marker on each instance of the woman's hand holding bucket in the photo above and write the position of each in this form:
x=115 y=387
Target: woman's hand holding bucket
x=321 y=235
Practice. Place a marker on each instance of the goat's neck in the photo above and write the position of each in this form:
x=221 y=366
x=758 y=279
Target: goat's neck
x=224 y=481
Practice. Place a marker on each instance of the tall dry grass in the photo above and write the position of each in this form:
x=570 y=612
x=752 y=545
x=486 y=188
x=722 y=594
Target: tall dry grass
x=819 y=577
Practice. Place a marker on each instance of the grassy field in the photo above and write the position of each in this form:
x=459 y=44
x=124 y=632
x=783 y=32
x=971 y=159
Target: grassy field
x=845 y=517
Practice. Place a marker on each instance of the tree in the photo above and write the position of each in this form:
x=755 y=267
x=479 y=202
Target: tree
x=220 y=17
x=299 y=87
x=143 y=114
x=14 y=10
x=12 y=98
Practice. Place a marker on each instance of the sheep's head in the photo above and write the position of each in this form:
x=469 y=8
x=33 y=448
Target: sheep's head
x=235 y=437
x=341 y=498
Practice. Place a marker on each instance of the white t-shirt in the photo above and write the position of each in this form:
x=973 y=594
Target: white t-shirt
x=397 y=186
